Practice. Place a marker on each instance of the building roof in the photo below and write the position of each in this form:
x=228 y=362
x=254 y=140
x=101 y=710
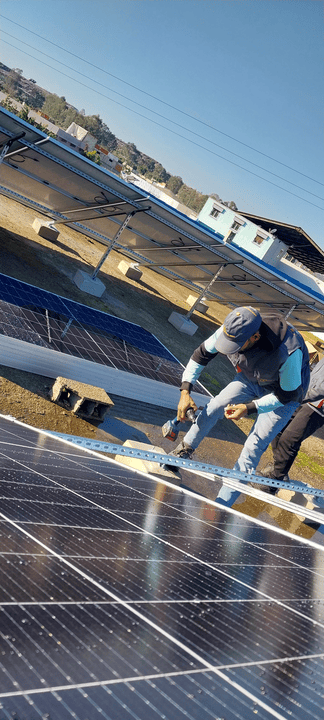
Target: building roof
x=299 y=244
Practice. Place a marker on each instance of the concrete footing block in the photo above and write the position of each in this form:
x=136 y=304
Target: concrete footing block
x=87 y=401
x=183 y=324
x=130 y=270
x=45 y=229
x=202 y=306
x=145 y=466
x=92 y=286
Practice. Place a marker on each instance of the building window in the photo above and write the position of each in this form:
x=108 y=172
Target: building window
x=258 y=240
x=260 y=237
x=236 y=225
x=216 y=210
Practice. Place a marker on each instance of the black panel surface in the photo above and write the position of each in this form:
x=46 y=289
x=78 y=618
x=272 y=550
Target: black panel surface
x=124 y=598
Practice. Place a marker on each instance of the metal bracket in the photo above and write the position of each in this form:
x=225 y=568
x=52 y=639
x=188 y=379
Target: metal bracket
x=6 y=145
x=164 y=459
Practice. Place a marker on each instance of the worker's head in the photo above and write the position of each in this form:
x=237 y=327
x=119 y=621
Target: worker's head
x=240 y=330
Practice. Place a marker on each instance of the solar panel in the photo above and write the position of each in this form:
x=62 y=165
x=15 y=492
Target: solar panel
x=41 y=318
x=123 y=597
x=59 y=182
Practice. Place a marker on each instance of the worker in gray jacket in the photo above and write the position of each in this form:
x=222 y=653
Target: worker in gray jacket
x=304 y=422
x=272 y=376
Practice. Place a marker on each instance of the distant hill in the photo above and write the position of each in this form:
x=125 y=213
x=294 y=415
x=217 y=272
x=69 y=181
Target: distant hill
x=61 y=113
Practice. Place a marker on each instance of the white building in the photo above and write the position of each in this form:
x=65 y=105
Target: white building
x=284 y=247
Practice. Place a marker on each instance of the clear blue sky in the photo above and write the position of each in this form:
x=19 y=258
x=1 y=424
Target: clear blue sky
x=252 y=69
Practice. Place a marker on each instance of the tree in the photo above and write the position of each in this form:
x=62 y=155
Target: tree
x=192 y=198
x=107 y=138
x=24 y=113
x=92 y=123
x=130 y=155
x=174 y=184
x=159 y=173
x=35 y=98
x=12 y=81
x=230 y=204
x=55 y=108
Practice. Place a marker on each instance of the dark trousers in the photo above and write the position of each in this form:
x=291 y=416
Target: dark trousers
x=285 y=446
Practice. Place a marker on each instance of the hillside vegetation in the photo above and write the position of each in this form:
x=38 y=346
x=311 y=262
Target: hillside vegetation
x=61 y=113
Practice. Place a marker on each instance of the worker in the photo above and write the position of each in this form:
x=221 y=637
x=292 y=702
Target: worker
x=272 y=376
x=308 y=418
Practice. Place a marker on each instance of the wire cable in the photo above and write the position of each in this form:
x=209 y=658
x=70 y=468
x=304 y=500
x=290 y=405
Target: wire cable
x=174 y=132
x=144 y=107
x=163 y=101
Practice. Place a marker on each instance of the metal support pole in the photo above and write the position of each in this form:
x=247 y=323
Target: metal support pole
x=25 y=147
x=176 y=248
x=290 y=311
x=48 y=326
x=68 y=324
x=114 y=240
x=192 y=309
x=99 y=206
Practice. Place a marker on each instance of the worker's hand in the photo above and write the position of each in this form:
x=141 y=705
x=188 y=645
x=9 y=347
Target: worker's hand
x=185 y=402
x=235 y=412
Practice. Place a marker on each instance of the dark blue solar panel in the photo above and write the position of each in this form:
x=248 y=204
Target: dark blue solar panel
x=21 y=294
x=124 y=598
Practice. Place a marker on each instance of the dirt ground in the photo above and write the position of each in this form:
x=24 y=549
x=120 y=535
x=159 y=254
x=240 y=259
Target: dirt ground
x=149 y=302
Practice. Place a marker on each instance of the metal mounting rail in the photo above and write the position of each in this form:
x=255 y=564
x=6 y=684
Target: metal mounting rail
x=164 y=459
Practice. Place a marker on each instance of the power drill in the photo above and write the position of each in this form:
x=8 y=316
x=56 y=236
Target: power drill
x=170 y=429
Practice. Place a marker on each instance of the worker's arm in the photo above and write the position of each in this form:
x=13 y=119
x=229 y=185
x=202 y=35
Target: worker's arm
x=199 y=359
x=289 y=390
x=289 y=387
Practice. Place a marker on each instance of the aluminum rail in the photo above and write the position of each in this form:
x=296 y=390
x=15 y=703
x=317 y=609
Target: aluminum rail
x=170 y=460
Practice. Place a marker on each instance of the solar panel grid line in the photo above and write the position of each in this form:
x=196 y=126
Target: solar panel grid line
x=214 y=669
x=267 y=598
x=185 y=604
x=221 y=572
x=178 y=673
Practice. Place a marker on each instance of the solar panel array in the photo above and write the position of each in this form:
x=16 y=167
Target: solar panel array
x=41 y=318
x=123 y=597
x=68 y=187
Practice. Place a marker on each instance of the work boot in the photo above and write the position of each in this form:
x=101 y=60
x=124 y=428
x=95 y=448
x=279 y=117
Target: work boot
x=266 y=470
x=265 y=488
x=182 y=451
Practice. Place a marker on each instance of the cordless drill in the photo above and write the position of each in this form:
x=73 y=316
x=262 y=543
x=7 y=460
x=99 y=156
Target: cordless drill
x=170 y=429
